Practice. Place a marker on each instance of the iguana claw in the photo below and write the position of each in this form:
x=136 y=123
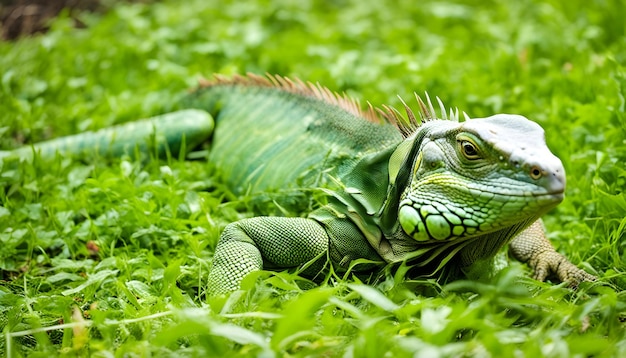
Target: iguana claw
x=532 y=246
x=551 y=262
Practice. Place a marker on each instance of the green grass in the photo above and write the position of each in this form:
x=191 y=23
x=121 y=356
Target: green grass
x=110 y=258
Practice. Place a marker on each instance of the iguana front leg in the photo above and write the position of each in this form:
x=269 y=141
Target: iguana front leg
x=532 y=246
x=277 y=242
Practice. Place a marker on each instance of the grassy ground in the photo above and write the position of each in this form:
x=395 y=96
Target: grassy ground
x=109 y=258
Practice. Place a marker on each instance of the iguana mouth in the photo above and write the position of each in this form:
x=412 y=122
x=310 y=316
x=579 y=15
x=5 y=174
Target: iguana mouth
x=506 y=195
x=556 y=193
x=492 y=189
x=528 y=194
x=524 y=195
x=552 y=193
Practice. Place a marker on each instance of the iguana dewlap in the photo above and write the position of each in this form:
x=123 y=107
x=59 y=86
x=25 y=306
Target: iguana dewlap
x=442 y=195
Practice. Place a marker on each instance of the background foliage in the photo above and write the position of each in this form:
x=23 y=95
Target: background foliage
x=112 y=256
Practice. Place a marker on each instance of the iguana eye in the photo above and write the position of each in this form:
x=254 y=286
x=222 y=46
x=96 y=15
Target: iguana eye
x=536 y=172
x=469 y=150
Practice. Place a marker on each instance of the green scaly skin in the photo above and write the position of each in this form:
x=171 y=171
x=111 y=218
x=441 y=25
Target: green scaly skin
x=445 y=199
x=171 y=131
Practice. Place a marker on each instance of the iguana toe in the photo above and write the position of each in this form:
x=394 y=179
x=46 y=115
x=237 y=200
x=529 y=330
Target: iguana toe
x=552 y=263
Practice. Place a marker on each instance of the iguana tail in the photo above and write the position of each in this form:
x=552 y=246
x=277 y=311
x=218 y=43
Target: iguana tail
x=171 y=132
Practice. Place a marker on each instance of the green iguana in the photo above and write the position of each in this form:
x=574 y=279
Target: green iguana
x=442 y=195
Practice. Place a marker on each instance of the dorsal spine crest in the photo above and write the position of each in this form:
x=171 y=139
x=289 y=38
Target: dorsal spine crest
x=407 y=124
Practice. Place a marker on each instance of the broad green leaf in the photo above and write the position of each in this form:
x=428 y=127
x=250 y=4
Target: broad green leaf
x=375 y=297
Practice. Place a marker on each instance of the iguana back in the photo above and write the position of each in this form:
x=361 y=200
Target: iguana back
x=274 y=137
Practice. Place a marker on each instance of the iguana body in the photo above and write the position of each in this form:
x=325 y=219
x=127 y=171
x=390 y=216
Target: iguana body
x=444 y=196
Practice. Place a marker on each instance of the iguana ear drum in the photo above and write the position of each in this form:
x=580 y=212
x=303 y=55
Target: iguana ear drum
x=426 y=222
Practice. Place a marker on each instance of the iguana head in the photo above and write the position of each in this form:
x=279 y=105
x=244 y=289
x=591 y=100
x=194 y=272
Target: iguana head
x=475 y=177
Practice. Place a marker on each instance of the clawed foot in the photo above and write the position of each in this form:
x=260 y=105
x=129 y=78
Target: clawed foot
x=550 y=262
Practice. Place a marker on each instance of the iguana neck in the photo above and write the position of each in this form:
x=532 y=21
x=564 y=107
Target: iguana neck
x=486 y=246
x=368 y=181
x=371 y=196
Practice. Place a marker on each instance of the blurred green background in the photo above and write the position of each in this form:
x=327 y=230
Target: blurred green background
x=125 y=240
